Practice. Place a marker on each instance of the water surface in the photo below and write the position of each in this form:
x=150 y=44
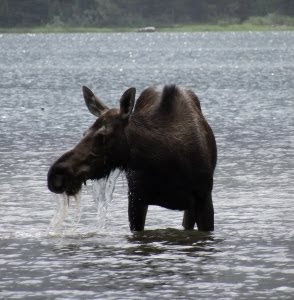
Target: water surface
x=245 y=82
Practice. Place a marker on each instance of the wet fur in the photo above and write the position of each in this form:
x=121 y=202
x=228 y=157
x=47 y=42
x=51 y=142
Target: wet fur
x=164 y=145
x=172 y=154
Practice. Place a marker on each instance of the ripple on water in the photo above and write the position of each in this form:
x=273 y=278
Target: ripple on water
x=245 y=84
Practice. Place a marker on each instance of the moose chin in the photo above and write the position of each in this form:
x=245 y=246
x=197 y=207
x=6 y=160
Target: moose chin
x=161 y=141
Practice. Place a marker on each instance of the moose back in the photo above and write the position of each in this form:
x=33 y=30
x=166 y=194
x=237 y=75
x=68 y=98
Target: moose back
x=162 y=142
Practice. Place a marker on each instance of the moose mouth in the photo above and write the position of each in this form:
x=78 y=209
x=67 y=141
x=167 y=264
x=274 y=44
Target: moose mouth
x=59 y=183
x=73 y=189
x=61 y=179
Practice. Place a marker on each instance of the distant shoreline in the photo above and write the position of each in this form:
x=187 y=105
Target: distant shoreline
x=176 y=28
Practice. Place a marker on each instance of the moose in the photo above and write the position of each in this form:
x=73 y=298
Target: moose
x=162 y=142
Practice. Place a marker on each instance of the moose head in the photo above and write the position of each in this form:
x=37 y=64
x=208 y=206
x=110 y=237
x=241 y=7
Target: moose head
x=103 y=147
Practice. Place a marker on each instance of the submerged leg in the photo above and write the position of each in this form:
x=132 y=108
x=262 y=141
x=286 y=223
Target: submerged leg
x=137 y=215
x=204 y=213
x=137 y=206
x=189 y=219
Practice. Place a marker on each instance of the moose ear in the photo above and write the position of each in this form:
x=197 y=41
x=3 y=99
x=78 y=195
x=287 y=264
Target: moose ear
x=127 y=102
x=95 y=106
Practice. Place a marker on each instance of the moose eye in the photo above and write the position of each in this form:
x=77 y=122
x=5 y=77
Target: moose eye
x=102 y=130
x=99 y=138
x=99 y=141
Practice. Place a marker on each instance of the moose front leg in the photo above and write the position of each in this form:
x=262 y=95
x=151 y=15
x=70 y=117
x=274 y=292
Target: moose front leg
x=137 y=213
x=137 y=205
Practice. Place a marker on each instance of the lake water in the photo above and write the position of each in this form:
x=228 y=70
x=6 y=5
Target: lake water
x=245 y=82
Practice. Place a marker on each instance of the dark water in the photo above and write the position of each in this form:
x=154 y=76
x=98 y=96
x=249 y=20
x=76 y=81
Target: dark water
x=246 y=85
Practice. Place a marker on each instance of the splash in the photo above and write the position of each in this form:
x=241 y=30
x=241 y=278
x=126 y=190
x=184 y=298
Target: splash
x=68 y=210
x=66 y=206
x=103 y=195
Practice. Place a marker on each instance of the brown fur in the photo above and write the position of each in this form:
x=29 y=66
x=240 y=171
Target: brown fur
x=164 y=145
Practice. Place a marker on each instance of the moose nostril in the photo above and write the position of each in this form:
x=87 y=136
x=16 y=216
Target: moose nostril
x=58 y=181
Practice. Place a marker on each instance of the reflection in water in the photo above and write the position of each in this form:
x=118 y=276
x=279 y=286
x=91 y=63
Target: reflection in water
x=149 y=242
x=245 y=84
x=144 y=260
x=172 y=237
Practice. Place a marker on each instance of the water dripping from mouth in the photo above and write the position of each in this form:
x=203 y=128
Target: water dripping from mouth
x=68 y=210
x=103 y=195
x=58 y=224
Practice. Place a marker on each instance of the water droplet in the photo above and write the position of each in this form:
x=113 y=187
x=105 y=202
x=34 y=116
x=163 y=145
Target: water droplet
x=103 y=195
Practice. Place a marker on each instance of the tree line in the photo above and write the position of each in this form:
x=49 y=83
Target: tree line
x=29 y=13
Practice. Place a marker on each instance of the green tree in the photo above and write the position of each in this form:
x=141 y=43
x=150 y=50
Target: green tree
x=134 y=12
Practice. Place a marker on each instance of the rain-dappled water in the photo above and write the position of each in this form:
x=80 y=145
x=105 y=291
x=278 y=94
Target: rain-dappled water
x=245 y=82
